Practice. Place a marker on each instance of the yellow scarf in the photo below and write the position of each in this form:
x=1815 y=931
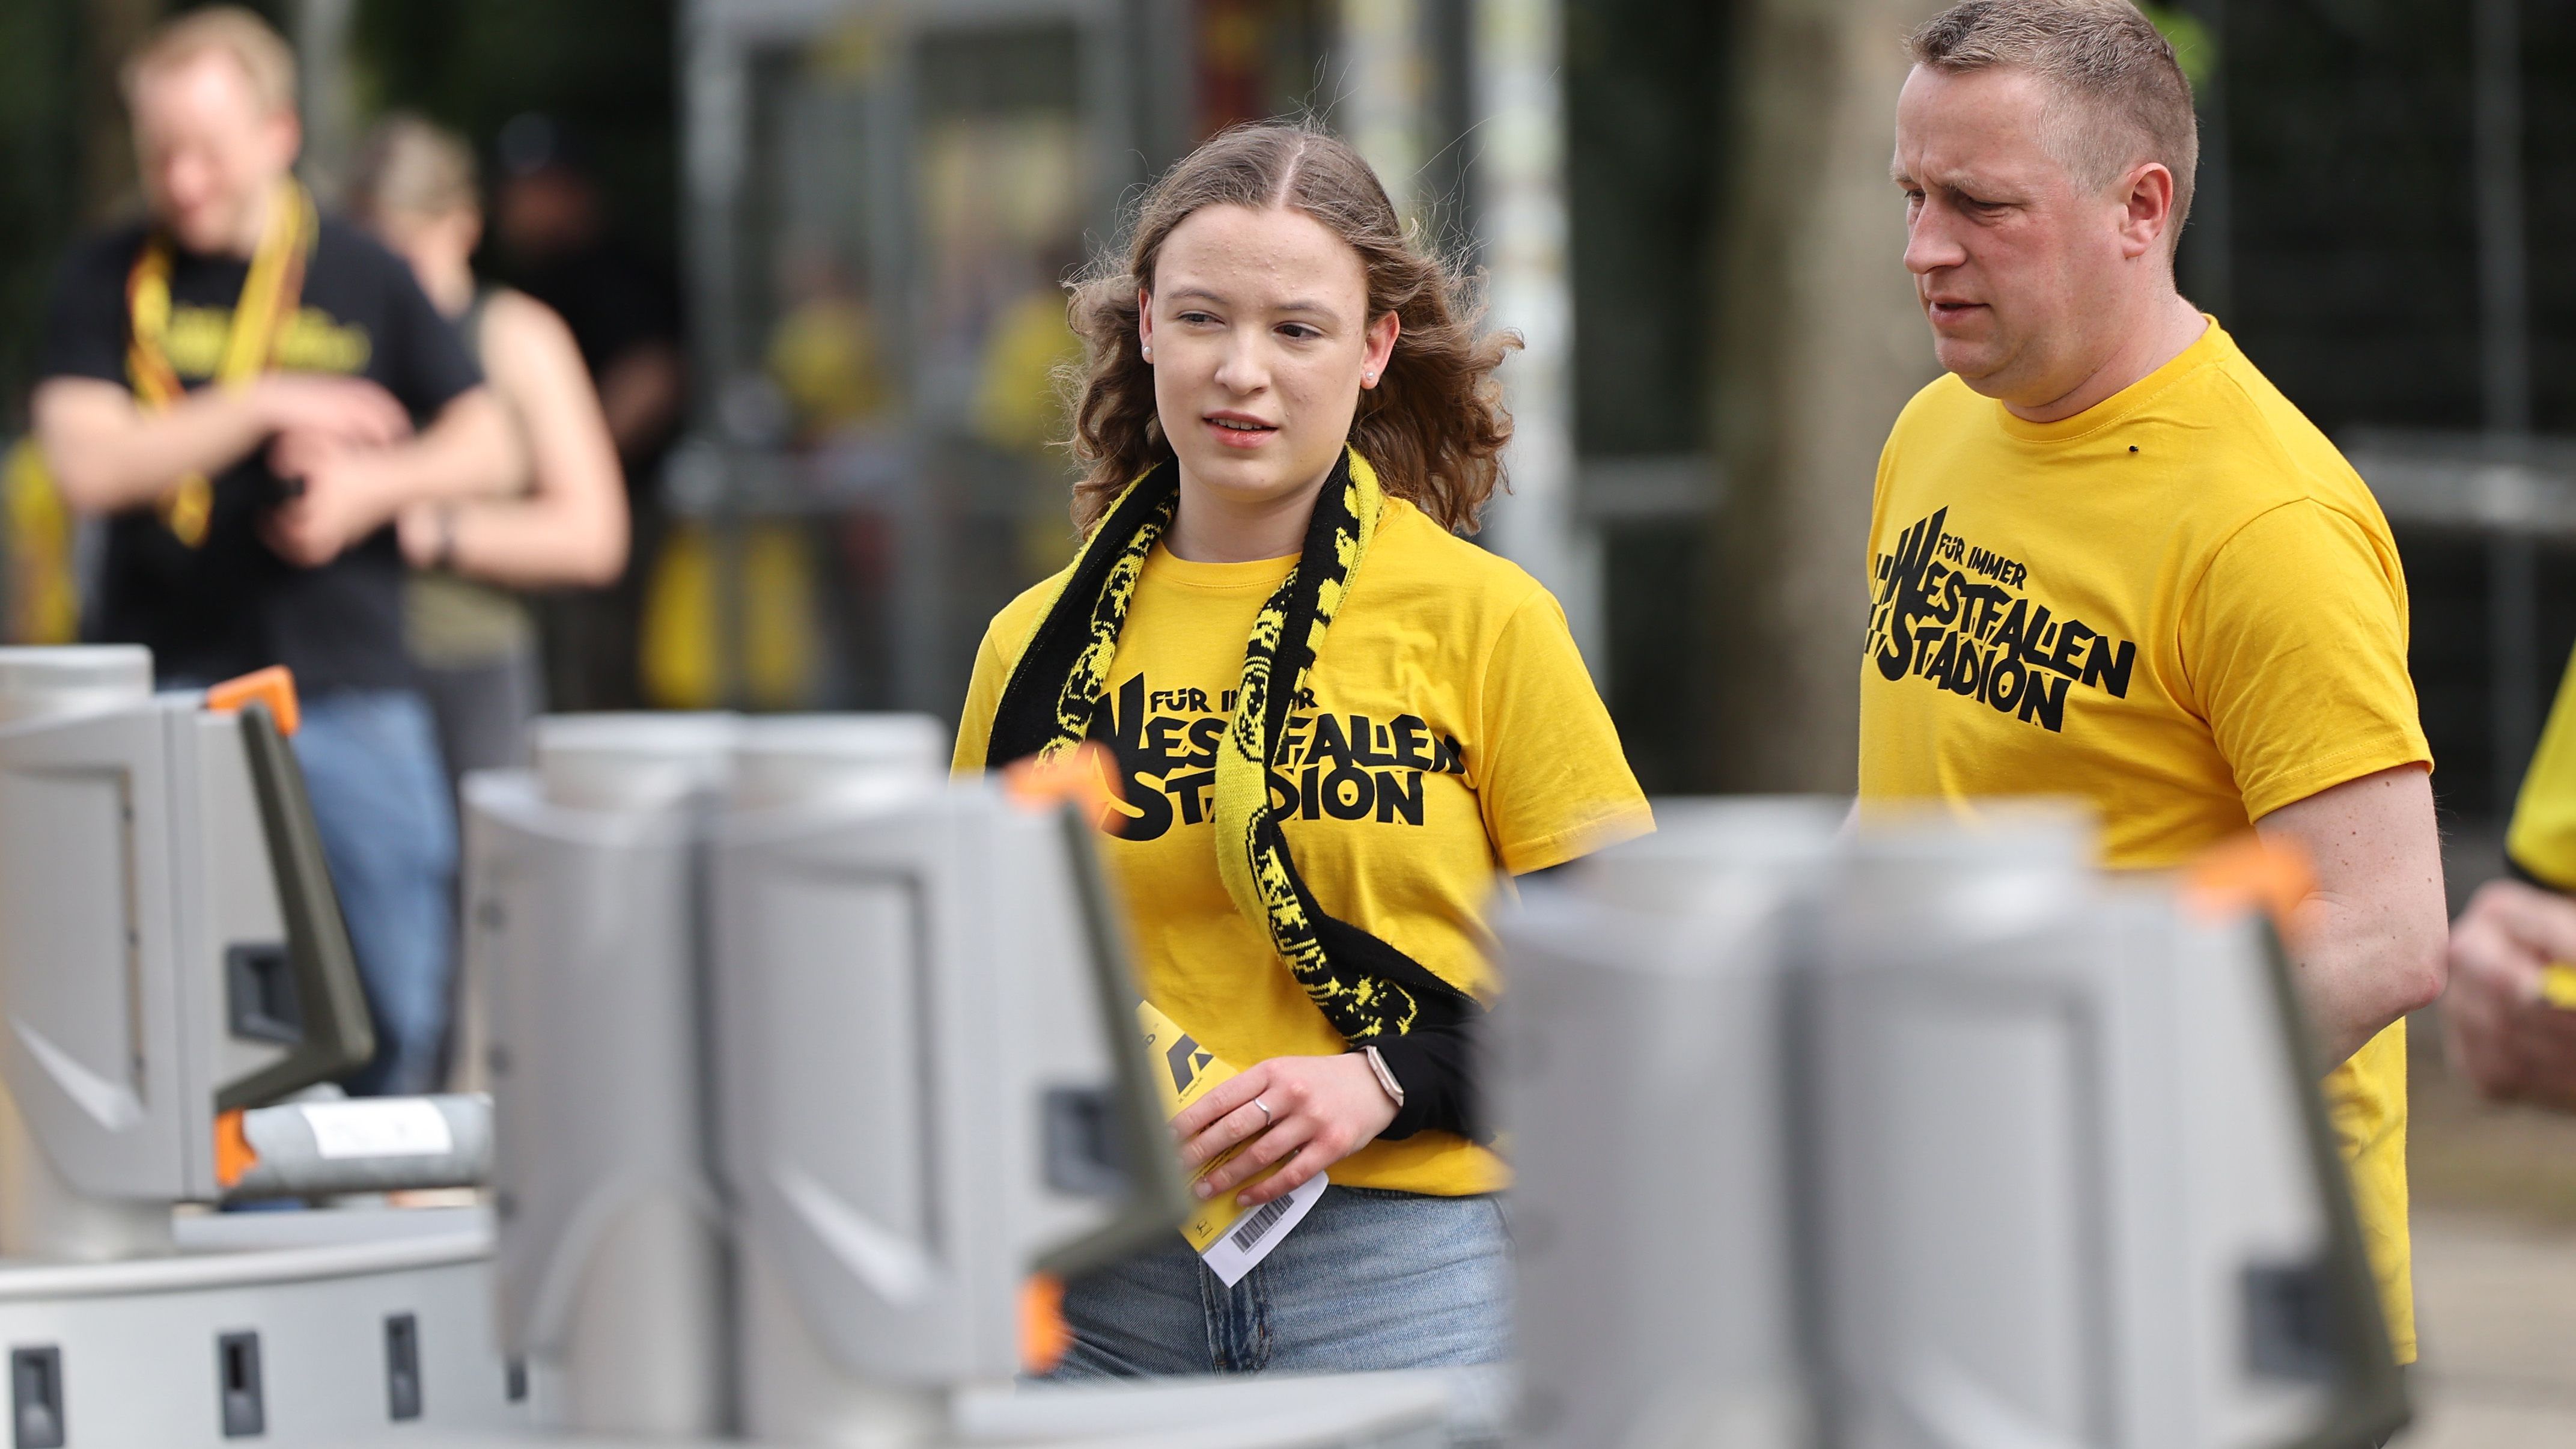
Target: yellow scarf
x=269 y=297
x=1367 y=988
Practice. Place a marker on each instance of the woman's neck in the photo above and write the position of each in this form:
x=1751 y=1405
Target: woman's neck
x=1213 y=528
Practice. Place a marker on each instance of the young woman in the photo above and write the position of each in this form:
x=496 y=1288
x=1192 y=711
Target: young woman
x=1337 y=721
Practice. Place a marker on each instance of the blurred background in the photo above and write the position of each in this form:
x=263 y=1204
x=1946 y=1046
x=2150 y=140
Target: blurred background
x=812 y=250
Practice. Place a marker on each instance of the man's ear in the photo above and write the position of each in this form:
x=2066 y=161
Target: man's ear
x=287 y=135
x=2148 y=212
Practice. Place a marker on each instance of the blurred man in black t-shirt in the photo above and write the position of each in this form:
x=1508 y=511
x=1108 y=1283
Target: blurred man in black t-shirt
x=250 y=392
x=556 y=244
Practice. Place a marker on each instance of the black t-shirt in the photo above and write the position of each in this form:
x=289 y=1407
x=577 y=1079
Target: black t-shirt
x=230 y=605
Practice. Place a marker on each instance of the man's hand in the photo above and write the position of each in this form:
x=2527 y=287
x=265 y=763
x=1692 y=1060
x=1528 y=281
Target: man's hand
x=2366 y=944
x=2509 y=1041
x=348 y=410
x=338 y=502
x=1321 y=1110
x=349 y=490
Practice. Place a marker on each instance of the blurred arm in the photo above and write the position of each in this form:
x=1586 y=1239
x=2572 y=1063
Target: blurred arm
x=571 y=527
x=350 y=491
x=107 y=454
x=2367 y=943
x=467 y=452
x=2503 y=1035
x=639 y=393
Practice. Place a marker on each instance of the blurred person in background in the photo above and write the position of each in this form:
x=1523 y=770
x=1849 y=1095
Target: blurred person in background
x=413 y=186
x=472 y=635
x=2509 y=1015
x=252 y=394
x=2111 y=562
x=555 y=243
x=1288 y=414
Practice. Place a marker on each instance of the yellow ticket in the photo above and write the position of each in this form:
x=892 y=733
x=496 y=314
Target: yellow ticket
x=1217 y=1228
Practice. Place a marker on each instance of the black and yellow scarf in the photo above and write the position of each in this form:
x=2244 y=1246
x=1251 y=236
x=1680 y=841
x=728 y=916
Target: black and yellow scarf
x=269 y=297
x=1371 y=992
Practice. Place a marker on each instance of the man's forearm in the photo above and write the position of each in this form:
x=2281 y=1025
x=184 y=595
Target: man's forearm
x=2367 y=941
x=466 y=454
x=107 y=454
x=2360 y=969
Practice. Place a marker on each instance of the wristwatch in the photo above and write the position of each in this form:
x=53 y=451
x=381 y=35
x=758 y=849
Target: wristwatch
x=1385 y=1076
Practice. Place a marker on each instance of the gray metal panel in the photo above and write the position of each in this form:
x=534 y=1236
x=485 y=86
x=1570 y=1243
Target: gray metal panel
x=585 y=923
x=237 y=905
x=849 y=972
x=89 y=1007
x=2058 y=1132
x=1645 y=1074
x=139 y=1367
x=899 y=985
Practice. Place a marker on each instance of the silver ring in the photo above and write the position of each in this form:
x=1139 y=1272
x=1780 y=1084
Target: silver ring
x=1266 y=1118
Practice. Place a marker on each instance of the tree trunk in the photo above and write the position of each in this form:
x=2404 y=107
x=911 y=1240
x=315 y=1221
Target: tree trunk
x=1819 y=342
x=110 y=30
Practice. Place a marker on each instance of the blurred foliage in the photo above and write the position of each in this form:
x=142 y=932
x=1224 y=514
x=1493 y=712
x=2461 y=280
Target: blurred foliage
x=2195 y=47
x=39 y=167
x=604 y=68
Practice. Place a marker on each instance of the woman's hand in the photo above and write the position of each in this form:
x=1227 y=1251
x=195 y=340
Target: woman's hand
x=1319 y=1111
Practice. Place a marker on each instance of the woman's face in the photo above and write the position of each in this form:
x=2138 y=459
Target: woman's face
x=440 y=248
x=1257 y=326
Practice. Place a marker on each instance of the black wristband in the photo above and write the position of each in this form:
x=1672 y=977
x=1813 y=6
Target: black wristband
x=1437 y=1066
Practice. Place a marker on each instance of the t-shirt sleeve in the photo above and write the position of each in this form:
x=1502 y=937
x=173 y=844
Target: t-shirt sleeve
x=430 y=366
x=1553 y=781
x=2295 y=644
x=983 y=697
x=85 y=322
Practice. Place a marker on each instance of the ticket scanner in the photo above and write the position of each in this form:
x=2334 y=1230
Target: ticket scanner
x=173 y=968
x=949 y=958
x=1922 y=1134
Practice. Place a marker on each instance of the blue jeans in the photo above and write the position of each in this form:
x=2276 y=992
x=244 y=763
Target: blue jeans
x=388 y=827
x=1372 y=1279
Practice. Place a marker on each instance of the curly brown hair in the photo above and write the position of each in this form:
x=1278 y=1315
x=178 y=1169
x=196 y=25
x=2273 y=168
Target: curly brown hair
x=1434 y=427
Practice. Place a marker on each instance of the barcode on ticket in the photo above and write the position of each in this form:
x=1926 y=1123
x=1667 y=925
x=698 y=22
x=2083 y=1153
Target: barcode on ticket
x=1259 y=1223
x=1250 y=1238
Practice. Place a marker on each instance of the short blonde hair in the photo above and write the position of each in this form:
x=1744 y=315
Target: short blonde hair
x=409 y=166
x=2121 y=95
x=263 y=54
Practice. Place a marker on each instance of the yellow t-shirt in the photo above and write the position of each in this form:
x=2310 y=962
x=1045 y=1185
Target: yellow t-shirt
x=2181 y=607
x=2541 y=842
x=1452 y=732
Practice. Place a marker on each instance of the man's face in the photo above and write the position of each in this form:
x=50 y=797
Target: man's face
x=546 y=214
x=210 y=150
x=2020 y=267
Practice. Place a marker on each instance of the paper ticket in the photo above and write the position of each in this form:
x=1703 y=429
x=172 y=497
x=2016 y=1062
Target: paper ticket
x=1229 y=1238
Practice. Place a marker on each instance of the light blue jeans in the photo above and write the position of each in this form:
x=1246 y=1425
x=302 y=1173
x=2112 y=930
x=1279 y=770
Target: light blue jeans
x=1372 y=1279
x=388 y=828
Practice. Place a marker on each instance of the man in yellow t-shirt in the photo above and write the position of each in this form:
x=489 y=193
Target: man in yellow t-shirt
x=2109 y=561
